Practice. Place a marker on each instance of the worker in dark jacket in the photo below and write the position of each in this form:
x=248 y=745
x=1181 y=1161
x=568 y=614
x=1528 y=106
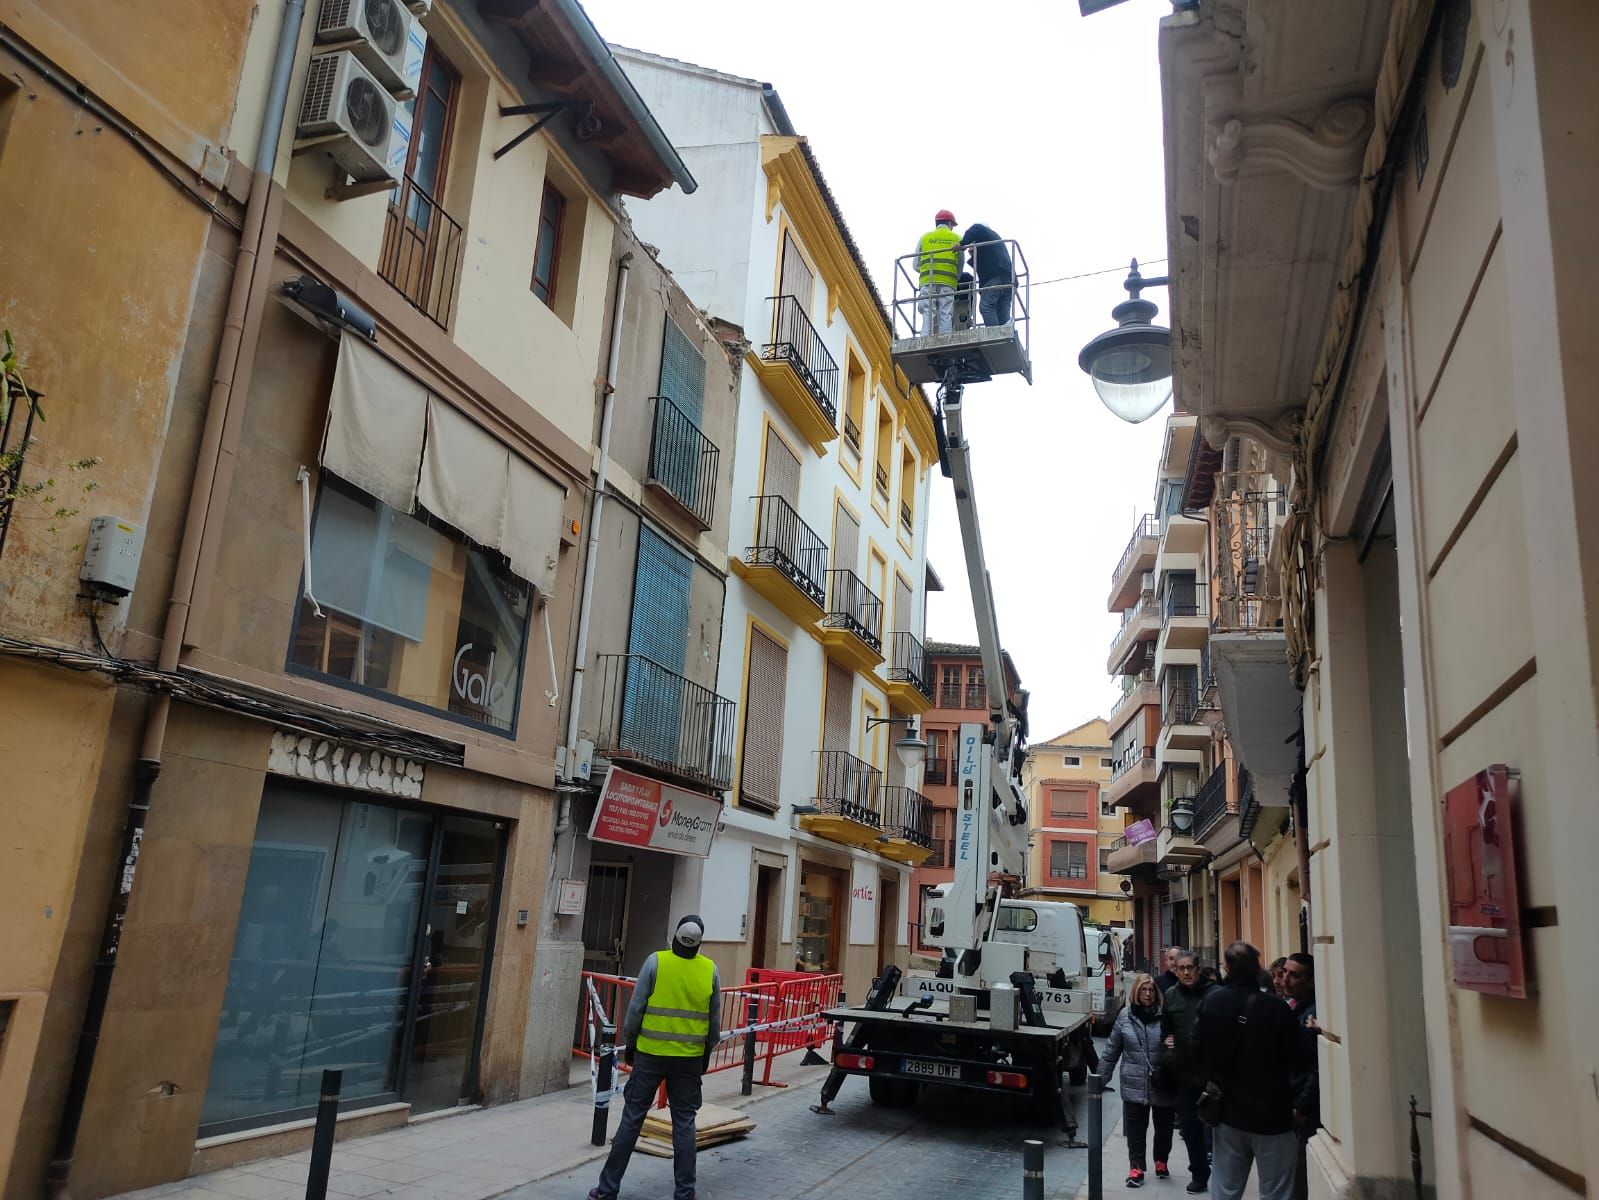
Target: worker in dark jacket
x=1299 y=983
x=1180 y=1014
x=1248 y=1043
x=995 y=273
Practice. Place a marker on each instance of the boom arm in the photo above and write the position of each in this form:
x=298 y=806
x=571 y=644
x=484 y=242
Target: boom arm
x=991 y=820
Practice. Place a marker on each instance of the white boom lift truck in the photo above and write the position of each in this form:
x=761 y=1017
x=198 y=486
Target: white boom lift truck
x=1009 y=1009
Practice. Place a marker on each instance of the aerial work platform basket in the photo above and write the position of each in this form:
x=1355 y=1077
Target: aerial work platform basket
x=934 y=333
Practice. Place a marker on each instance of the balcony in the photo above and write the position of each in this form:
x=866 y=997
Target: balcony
x=683 y=464
x=659 y=720
x=1139 y=691
x=1180 y=724
x=976 y=696
x=910 y=687
x=1177 y=845
x=852 y=628
x=937 y=772
x=421 y=254
x=1210 y=803
x=1138 y=558
x=1133 y=778
x=798 y=371
x=846 y=801
x=786 y=562
x=1139 y=628
x=1125 y=857
x=908 y=824
x=1182 y=534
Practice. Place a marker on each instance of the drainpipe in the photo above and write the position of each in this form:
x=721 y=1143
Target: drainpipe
x=585 y=611
x=148 y=765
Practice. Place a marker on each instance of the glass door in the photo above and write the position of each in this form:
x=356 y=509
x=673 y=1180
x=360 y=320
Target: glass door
x=457 y=943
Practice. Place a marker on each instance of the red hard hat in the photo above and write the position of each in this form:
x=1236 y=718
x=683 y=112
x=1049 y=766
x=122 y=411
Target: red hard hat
x=944 y=214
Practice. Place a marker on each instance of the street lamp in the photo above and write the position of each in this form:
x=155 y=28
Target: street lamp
x=1131 y=364
x=911 y=749
x=1182 y=816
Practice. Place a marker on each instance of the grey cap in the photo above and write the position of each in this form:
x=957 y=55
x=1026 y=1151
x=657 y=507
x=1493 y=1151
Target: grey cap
x=689 y=931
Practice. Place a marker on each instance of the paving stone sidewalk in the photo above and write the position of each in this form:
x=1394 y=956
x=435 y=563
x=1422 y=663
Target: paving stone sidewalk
x=469 y=1155
x=1154 y=1189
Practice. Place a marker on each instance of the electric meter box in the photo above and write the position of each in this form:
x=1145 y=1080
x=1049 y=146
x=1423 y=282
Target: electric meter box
x=111 y=557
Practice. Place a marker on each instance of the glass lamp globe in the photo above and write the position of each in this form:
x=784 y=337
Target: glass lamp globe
x=912 y=751
x=1131 y=364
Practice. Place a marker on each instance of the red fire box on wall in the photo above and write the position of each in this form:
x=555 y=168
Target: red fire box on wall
x=1481 y=818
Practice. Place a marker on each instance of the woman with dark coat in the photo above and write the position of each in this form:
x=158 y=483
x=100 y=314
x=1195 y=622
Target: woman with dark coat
x=1137 y=1042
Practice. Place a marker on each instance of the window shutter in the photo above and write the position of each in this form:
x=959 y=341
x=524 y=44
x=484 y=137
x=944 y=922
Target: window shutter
x=682 y=373
x=762 y=762
x=846 y=539
x=1059 y=857
x=796 y=280
x=653 y=697
x=782 y=472
x=840 y=699
x=903 y=622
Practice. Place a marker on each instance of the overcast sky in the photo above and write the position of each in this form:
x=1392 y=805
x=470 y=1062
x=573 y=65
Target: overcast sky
x=1045 y=126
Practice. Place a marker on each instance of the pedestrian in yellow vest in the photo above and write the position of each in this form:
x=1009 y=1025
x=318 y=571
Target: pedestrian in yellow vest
x=667 y=1037
x=938 y=268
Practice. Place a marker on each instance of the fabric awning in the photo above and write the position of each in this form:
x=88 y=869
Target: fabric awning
x=390 y=437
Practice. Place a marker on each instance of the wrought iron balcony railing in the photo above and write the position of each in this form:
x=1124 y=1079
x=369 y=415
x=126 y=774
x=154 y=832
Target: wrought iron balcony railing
x=936 y=772
x=784 y=541
x=853 y=606
x=1248 y=804
x=908 y=663
x=906 y=518
x=658 y=718
x=796 y=342
x=880 y=476
x=852 y=433
x=1210 y=802
x=1180 y=704
x=949 y=695
x=683 y=460
x=976 y=695
x=1148 y=527
x=1185 y=602
x=847 y=787
x=908 y=814
x=421 y=254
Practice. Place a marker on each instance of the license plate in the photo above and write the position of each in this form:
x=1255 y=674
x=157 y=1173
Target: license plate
x=932 y=1070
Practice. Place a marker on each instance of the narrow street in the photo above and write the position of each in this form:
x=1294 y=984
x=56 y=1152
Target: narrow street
x=951 y=1147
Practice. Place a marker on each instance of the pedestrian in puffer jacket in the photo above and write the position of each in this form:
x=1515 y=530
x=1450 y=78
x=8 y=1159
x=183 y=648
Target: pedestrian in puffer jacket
x=1138 y=1043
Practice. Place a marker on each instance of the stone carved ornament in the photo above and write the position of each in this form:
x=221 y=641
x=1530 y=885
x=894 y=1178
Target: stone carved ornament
x=1326 y=156
x=344 y=764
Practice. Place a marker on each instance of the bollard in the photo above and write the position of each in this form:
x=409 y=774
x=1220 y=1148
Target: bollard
x=1032 y=1169
x=751 y=1012
x=327 y=1117
x=605 y=1073
x=1096 y=1136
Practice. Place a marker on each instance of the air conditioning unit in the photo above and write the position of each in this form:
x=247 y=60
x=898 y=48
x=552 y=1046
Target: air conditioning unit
x=341 y=97
x=380 y=28
x=420 y=7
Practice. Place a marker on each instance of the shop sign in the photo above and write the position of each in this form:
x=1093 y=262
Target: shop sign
x=635 y=810
x=1140 y=832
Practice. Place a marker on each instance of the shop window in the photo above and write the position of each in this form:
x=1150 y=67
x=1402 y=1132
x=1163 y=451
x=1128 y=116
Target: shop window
x=823 y=907
x=1068 y=860
x=411 y=610
x=363 y=942
x=761 y=757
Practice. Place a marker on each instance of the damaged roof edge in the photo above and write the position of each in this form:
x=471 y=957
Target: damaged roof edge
x=612 y=71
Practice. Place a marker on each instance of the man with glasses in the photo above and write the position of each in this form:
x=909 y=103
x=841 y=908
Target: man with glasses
x=1179 y=1017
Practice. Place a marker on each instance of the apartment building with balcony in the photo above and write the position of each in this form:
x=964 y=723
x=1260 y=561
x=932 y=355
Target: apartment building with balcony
x=1072 y=826
x=354 y=423
x=822 y=643
x=1423 y=175
x=960 y=694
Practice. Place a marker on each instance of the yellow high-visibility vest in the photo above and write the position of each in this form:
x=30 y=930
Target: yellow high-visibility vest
x=677 y=1019
x=938 y=257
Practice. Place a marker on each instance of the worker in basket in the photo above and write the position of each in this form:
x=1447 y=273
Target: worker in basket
x=938 y=268
x=671 y=1027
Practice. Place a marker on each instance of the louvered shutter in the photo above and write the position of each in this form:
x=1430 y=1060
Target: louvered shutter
x=836 y=710
x=797 y=280
x=653 y=700
x=761 y=767
x=903 y=602
x=782 y=471
x=682 y=372
x=846 y=539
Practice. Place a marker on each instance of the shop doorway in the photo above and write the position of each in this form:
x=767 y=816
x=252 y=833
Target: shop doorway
x=363 y=943
x=768 y=916
x=887 y=922
x=823 y=909
x=605 y=917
